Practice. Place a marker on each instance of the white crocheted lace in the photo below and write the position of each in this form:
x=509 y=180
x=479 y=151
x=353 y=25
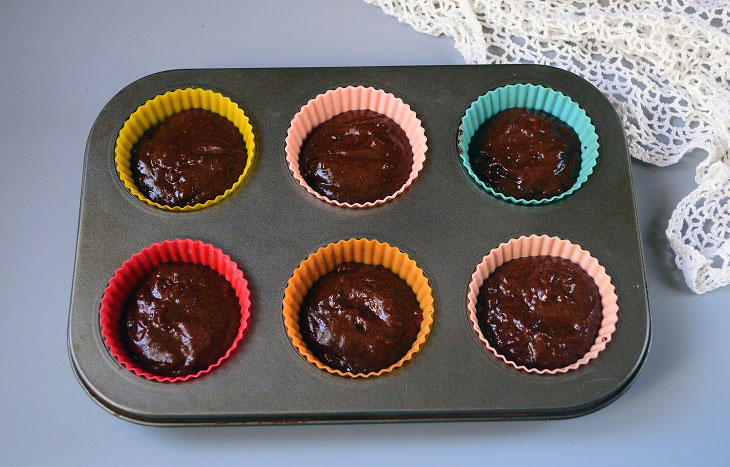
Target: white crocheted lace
x=665 y=66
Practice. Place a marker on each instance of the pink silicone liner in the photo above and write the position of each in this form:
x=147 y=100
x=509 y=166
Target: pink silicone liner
x=335 y=101
x=547 y=246
x=138 y=267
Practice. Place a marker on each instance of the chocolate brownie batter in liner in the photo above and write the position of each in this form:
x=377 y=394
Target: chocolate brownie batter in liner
x=137 y=269
x=336 y=101
x=531 y=97
x=547 y=246
x=154 y=111
x=364 y=251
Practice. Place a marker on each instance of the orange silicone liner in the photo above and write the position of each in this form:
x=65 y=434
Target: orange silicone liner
x=548 y=246
x=155 y=110
x=364 y=251
x=136 y=269
x=336 y=101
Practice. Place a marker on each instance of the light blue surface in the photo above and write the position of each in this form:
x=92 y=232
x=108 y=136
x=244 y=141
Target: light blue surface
x=58 y=67
x=530 y=96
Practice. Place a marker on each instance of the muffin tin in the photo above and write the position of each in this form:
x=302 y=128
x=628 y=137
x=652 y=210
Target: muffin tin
x=444 y=221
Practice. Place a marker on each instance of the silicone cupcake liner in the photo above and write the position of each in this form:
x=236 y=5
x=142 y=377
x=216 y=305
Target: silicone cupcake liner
x=336 y=101
x=548 y=246
x=163 y=106
x=364 y=251
x=529 y=96
x=136 y=269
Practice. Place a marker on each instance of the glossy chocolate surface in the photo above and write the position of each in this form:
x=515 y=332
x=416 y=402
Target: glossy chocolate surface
x=191 y=157
x=526 y=154
x=356 y=157
x=541 y=312
x=181 y=319
x=360 y=318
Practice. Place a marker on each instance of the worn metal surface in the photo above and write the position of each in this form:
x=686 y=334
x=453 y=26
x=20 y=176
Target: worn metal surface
x=444 y=222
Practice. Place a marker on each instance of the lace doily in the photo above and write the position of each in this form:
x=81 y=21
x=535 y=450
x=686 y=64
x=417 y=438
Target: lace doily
x=665 y=66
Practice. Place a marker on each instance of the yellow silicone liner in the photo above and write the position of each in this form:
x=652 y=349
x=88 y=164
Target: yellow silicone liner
x=364 y=251
x=161 y=107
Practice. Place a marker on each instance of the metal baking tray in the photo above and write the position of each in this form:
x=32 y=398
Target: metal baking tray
x=444 y=222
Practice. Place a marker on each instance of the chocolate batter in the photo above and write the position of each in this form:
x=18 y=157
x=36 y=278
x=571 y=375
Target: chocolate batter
x=180 y=320
x=360 y=318
x=191 y=157
x=526 y=154
x=356 y=157
x=541 y=312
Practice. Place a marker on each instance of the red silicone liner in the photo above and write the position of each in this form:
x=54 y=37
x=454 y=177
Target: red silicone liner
x=137 y=268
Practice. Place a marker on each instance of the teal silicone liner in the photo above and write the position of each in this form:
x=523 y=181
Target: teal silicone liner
x=529 y=96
